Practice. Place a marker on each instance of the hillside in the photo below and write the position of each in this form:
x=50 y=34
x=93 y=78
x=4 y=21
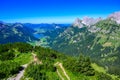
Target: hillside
x=30 y=33
x=16 y=32
x=37 y=63
x=97 y=39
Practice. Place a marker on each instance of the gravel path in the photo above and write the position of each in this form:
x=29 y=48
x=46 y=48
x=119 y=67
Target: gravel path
x=60 y=64
x=63 y=70
x=20 y=74
x=60 y=75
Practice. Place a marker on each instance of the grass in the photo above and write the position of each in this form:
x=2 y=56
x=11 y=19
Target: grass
x=98 y=68
x=107 y=44
x=101 y=69
x=61 y=72
x=76 y=76
x=71 y=75
x=52 y=76
x=23 y=58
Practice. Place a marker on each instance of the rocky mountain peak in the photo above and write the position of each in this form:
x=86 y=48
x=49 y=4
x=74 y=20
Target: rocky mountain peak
x=90 y=21
x=77 y=23
x=85 y=21
x=18 y=25
x=77 y=20
x=115 y=16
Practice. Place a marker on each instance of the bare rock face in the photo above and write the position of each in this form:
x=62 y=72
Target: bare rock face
x=115 y=16
x=77 y=23
x=85 y=22
x=90 y=21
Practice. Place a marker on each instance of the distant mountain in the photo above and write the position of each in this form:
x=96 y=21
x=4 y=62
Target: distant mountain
x=28 y=32
x=86 y=22
x=42 y=30
x=45 y=26
x=115 y=16
x=16 y=32
x=97 y=38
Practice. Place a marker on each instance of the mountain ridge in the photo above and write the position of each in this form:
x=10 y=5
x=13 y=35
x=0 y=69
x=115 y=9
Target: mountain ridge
x=16 y=32
x=99 y=41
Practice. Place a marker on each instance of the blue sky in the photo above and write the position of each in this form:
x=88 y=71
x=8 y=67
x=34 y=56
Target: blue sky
x=55 y=11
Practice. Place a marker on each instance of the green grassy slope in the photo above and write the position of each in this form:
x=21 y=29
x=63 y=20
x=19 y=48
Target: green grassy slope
x=103 y=45
x=43 y=65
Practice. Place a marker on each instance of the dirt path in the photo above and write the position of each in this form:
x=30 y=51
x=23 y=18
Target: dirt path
x=20 y=74
x=60 y=64
x=63 y=70
x=35 y=59
x=59 y=75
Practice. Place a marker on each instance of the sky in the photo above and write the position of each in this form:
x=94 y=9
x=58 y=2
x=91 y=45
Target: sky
x=55 y=11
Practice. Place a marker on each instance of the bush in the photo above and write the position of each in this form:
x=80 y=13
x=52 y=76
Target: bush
x=8 y=68
x=80 y=65
x=7 y=56
x=102 y=76
x=36 y=72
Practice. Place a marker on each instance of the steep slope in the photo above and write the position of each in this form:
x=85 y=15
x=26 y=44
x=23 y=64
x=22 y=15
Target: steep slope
x=100 y=40
x=36 y=63
x=15 y=33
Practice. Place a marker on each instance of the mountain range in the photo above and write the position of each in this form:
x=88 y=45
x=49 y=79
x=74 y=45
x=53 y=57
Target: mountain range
x=16 y=32
x=25 y=32
x=98 y=38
